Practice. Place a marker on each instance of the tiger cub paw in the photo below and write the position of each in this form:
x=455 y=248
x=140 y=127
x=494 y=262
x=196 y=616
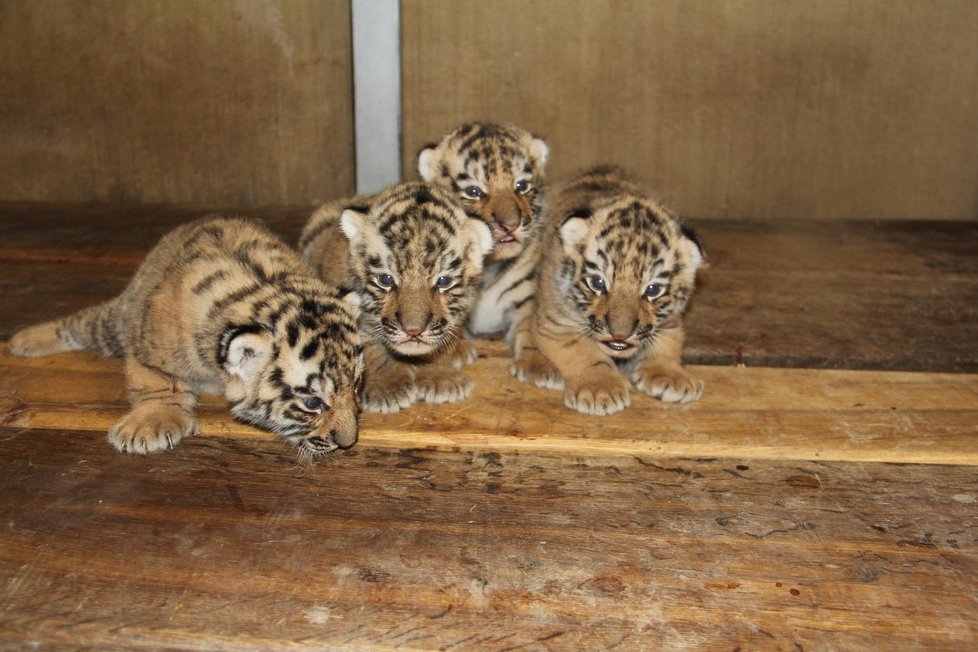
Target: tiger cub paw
x=603 y=395
x=148 y=428
x=669 y=385
x=536 y=370
x=464 y=354
x=389 y=394
x=443 y=385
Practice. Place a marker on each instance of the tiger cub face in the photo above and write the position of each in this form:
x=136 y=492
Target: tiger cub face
x=297 y=370
x=627 y=271
x=415 y=259
x=497 y=172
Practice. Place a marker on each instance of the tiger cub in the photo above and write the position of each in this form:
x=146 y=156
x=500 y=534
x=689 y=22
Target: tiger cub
x=497 y=172
x=616 y=271
x=221 y=305
x=415 y=259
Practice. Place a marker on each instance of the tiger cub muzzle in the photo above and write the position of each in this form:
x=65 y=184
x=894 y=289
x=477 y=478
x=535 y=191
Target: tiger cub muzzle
x=508 y=216
x=415 y=323
x=619 y=329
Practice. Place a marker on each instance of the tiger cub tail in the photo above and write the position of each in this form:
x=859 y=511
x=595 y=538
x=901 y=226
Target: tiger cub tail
x=98 y=328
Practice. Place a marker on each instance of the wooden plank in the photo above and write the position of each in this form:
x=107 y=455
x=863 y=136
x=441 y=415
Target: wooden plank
x=231 y=101
x=847 y=294
x=730 y=108
x=101 y=228
x=746 y=412
x=885 y=295
x=229 y=543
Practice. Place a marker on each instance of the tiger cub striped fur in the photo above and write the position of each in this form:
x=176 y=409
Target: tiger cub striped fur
x=415 y=259
x=616 y=271
x=497 y=172
x=221 y=305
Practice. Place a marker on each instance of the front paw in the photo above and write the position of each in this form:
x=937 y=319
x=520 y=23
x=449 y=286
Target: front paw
x=669 y=385
x=148 y=428
x=389 y=394
x=464 y=354
x=536 y=370
x=601 y=396
x=443 y=385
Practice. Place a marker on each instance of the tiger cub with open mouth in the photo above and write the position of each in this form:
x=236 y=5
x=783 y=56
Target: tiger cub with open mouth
x=415 y=259
x=497 y=172
x=616 y=270
x=222 y=306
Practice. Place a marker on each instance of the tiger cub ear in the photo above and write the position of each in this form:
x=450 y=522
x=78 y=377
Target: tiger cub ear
x=244 y=350
x=574 y=228
x=353 y=224
x=691 y=248
x=350 y=296
x=428 y=162
x=480 y=235
x=539 y=151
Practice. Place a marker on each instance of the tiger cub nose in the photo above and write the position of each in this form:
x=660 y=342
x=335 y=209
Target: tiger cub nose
x=413 y=325
x=620 y=330
x=507 y=225
x=344 y=437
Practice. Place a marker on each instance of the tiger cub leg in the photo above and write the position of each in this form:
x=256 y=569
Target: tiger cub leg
x=388 y=382
x=439 y=380
x=592 y=383
x=162 y=411
x=529 y=364
x=661 y=374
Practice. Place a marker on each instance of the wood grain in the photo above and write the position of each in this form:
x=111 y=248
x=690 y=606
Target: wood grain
x=729 y=108
x=746 y=412
x=232 y=544
x=240 y=102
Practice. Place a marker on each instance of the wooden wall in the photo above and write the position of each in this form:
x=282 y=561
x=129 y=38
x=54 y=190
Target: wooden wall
x=731 y=108
x=217 y=101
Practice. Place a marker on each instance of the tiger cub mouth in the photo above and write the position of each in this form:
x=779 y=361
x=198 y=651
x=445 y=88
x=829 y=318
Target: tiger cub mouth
x=413 y=346
x=618 y=345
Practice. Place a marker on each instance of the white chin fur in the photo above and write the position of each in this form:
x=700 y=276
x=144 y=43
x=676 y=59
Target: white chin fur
x=413 y=348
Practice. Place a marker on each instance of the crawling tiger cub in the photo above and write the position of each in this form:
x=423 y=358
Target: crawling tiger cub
x=616 y=271
x=415 y=259
x=221 y=305
x=497 y=172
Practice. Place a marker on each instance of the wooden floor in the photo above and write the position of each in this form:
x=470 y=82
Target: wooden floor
x=821 y=496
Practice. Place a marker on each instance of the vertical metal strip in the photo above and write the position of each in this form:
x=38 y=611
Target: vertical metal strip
x=377 y=92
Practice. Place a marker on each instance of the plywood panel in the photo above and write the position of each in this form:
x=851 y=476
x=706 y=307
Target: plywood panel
x=229 y=101
x=730 y=108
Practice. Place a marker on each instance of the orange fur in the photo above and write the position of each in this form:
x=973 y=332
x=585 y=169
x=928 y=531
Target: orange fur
x=616 y=270
x=221 y=305
x=415 y=259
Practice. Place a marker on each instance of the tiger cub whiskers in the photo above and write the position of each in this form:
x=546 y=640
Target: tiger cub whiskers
x=415 y=259
x=497 y=172
x=616 y=270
